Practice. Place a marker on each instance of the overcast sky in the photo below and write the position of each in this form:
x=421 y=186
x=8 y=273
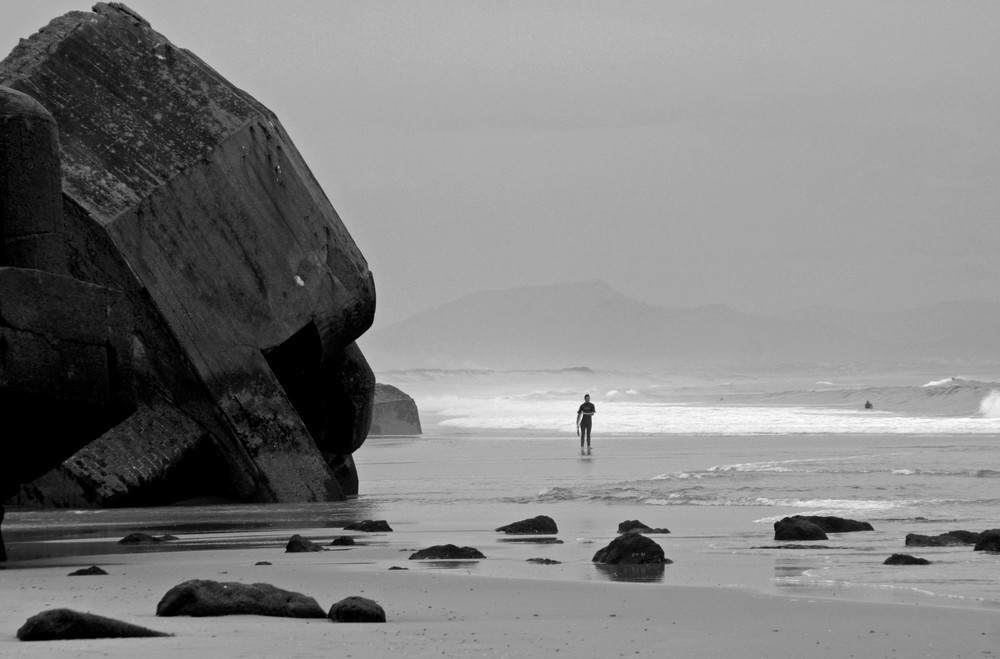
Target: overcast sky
x=766 y=155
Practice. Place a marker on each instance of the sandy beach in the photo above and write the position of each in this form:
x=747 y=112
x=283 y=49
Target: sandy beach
x=501 y=606
x=730 y=591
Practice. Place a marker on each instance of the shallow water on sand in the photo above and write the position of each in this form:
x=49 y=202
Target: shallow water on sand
x=719 y=497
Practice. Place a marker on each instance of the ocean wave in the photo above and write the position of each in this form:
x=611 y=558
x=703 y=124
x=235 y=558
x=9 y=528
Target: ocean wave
x=989 y=407
x=814 y=506
x=546 y=401
x=974 y=473
x=939 y=383
x=651 y=494
x=556 y=494
x=806 y=468
x=626 y=418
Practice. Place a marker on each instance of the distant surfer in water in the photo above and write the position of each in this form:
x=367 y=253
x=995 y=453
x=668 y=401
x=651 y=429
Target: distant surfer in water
x=868 y=405
x=583 y=421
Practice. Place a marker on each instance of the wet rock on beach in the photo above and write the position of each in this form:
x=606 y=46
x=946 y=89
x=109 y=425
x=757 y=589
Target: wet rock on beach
x=541 y=524
x=451 y=552
x=633 y=549
x=297 y=544
x=202 y=597
x=67 y=624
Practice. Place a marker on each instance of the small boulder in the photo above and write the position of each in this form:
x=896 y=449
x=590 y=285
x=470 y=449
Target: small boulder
x=297 y=544
x=831 y=524
x=203 y=597
x=357 y=609
x=988 y=541
x=905 y=559
x=632 y=549
x=93 y=570
x=636 y=525
x=968 y=537
x=450 y=552
x=541 y=524
x=544 y=561
x=369 y=526
x=144 y=539
x=342 y=541
x=796 y=528
x=66 y=624
x=942 y=540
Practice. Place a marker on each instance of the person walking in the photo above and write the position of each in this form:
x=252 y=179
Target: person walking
x=584 y=422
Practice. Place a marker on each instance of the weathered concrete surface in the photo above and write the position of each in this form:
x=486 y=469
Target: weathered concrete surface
x=60 y=377
x=65 y=374
x=394 y=413
x=31 y=181
x=186 y=194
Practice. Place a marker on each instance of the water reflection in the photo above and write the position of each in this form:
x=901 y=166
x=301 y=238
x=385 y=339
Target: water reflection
x=631 y=573
x=447 y=564
x=790 y=568
x=33 y=534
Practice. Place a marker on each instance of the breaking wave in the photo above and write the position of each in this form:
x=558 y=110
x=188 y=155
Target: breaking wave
x=989 y=407
x=631 y=404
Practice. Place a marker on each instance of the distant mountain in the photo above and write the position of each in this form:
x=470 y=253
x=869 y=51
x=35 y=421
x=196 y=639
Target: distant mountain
x=591 y=324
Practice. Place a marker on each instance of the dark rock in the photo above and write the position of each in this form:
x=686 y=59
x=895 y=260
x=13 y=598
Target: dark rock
x=200 y=597
x=796 y=528
x=905 y=559
x=836 y=524
x=540 y=525
x=66 y=624
x=357 y=609
x=446 y=552
x=396 y=567
x=632 y=549
x=245 y=290
x=262 y=563
x=297 y=544
x=345 y=470
x=968 y=537
x=942 y=540
x=144 y=539
x=988 y=541
x=369 y=526
x=394 y=413
x=544 y=561
x=93 y=570
x=343 y=541
x=635 y=525
x=534 y=541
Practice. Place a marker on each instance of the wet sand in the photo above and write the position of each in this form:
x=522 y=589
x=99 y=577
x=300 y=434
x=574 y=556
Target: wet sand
x=502 y=606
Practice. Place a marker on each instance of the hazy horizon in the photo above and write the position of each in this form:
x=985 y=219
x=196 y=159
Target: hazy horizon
x=763 y=155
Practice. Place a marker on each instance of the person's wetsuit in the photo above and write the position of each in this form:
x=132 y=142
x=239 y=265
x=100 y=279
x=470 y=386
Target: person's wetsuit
x=585 y=412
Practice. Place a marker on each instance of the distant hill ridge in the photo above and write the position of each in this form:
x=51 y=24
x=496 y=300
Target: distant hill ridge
x=550 y=327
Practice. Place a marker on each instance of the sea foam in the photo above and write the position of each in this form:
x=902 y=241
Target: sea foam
x=990 y=405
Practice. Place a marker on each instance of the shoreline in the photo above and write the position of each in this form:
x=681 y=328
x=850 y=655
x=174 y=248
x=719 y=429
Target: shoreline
x=725 y=594
x=453 y=611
